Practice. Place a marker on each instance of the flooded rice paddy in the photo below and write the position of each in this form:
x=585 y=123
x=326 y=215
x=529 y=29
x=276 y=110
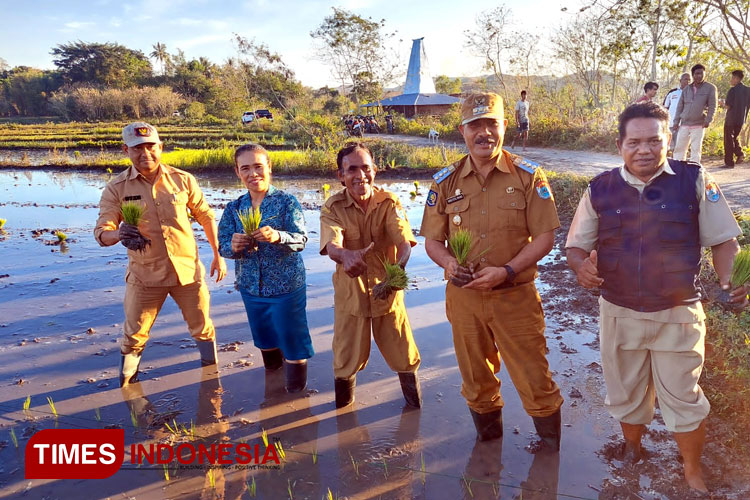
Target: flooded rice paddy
x=60 y=322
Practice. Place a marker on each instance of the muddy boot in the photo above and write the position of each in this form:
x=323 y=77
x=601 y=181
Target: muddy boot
x=207 y=348
x=129 y=364
x=296 y=376
x=489 y=425
x=411 y=388
x=344 y=388
x=272 y=359
x=548 y=429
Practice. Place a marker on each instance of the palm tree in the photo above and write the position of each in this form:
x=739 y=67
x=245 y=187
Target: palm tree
x=161 y=55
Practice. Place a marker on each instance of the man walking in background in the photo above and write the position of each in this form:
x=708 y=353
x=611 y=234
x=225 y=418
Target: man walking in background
x=695 y=112
x=522 y=120
x=737 y=105
x=670 y=102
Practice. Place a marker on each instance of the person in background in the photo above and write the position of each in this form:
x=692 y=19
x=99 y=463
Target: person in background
x=695 y=112
x=269 y=270
x=649 y=92
x=670 y=102
x=737 y=104
x=168 y=264
x=522 y=120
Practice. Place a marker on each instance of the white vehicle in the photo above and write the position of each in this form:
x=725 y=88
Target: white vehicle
x=248 y=117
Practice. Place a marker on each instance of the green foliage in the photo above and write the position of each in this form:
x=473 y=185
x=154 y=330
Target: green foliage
x=460 y=243
x=195 y=110
x=395 y=276
x=61 y=237
x=109 y=64
x=447 y=85
x=250 y=219
x=132 y=212
x=2 y=223
x=741 y=268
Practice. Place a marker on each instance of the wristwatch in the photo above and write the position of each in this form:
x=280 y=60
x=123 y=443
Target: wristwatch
x=511 y=274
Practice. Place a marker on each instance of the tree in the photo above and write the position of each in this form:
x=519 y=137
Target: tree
x=729 y=30
x=447 y=85
x=161 y=55
x=356 y=50
x=108 y=64
x=492 y=39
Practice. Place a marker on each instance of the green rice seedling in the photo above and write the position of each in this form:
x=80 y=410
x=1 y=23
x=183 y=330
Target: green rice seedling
x=2 y=222
x=416 y=187
x=385 y=468
x=98 y=414
x=132 y=212
x=467 y=483
x=13 y=437
x=264 y=436
x=109 y=171
x=354 y=464
x=424 y=472
x=52 y=406
x=27 y=403
x=211 y=479
x=192 y=429
x=412 y=194
x=315 y=456
x=329 y=495
x=460 y=244
x=395 y=279
x=280 y=450
x=61 y=237
x=134 y=419
x=252 y=488
x=326 y=191
x=166 y=472
x=289 y=488
x=741 y=268
x=250 y=219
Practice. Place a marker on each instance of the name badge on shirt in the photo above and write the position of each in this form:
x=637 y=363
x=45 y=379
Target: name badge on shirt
x=132 y=198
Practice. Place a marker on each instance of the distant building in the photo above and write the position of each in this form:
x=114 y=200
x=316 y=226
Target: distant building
x=419 y=97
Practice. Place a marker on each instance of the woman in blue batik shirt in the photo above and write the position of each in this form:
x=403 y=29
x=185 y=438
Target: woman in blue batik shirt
x=269 y=270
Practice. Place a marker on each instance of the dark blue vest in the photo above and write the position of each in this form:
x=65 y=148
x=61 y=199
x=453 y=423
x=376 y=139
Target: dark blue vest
x=649 y=251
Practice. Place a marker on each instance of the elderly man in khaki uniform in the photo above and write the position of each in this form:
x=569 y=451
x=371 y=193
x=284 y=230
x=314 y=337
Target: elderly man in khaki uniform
x=492 y=304
x=637 y=236
x=169 y=264
x=360 y=227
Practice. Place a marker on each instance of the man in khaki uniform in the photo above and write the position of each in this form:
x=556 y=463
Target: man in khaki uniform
x=637 y=236
x=169 y=264
x=359 y=227
x=492 y=304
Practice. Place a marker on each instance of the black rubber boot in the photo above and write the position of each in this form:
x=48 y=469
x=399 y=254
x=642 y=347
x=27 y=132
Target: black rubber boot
x=489 y=425
x=129 y=364
x=296 y=376
x=272 y=359
x=549 y=429
x=344 y=388
x=411 y=388
x=207 y=348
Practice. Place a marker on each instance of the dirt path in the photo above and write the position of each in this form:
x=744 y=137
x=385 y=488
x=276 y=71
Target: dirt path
x=735 y=183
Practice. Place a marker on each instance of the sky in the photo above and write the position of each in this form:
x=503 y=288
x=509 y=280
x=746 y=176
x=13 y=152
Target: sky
x=30 y=29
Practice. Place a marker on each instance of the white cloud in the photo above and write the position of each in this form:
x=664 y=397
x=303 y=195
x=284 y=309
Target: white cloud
x=201 y=40
x=78 y=25
x=213 y=24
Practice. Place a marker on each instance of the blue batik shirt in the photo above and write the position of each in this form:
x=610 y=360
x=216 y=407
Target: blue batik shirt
x=274 y=268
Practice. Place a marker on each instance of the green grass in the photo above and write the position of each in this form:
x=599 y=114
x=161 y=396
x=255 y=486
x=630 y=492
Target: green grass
x=741 y=268
x=132 y=212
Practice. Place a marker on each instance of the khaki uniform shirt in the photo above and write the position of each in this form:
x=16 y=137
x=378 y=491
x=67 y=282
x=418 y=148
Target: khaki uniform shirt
x=715 y=221
x=172 y=257
x=342 y=221
x=503 y=212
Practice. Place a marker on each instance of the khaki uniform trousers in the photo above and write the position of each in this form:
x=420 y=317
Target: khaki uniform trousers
x=142 y=306
x=642 y=359
x=392 y=333
x=505 y=324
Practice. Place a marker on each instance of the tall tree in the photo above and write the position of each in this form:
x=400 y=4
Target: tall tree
x=447 y=85
x=108 y=64
x=161 y=55
x=729 y=31
x=357 y=51
x=492 y=40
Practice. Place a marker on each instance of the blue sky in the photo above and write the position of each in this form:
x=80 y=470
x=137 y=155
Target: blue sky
x=205 y=28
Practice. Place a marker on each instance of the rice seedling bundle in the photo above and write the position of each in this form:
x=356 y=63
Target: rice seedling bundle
x=250 y=219
x=132 y=212
x=395 y=279
x=460 y=244
x=741 y=268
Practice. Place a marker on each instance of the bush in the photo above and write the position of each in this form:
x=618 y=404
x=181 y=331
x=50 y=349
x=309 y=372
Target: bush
x=195 y=110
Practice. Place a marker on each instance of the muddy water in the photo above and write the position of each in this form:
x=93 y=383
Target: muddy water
x=51 y=298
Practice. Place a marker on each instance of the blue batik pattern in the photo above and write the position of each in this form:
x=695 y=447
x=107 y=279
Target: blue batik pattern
x=274 y=268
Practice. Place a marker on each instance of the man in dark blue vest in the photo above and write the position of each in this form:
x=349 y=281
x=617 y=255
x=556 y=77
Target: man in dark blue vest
x=637 y=236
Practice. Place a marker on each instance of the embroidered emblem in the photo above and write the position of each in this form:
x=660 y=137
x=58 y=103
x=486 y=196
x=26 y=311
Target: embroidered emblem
x=509 y=190
x=543 y=188
x=143 y=132
x=712 y=192
x=443 y=174
x=431 y=198
x=454 y=199
x=457 y=220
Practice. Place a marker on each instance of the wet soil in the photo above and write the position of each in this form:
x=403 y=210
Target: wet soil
x=60 y=321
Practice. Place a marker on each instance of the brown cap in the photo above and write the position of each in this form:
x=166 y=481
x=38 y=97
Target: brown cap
x=482 y=105
x=139 y=133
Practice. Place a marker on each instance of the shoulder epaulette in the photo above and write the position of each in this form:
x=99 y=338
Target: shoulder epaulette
x=528 y=165
x=444 y=174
